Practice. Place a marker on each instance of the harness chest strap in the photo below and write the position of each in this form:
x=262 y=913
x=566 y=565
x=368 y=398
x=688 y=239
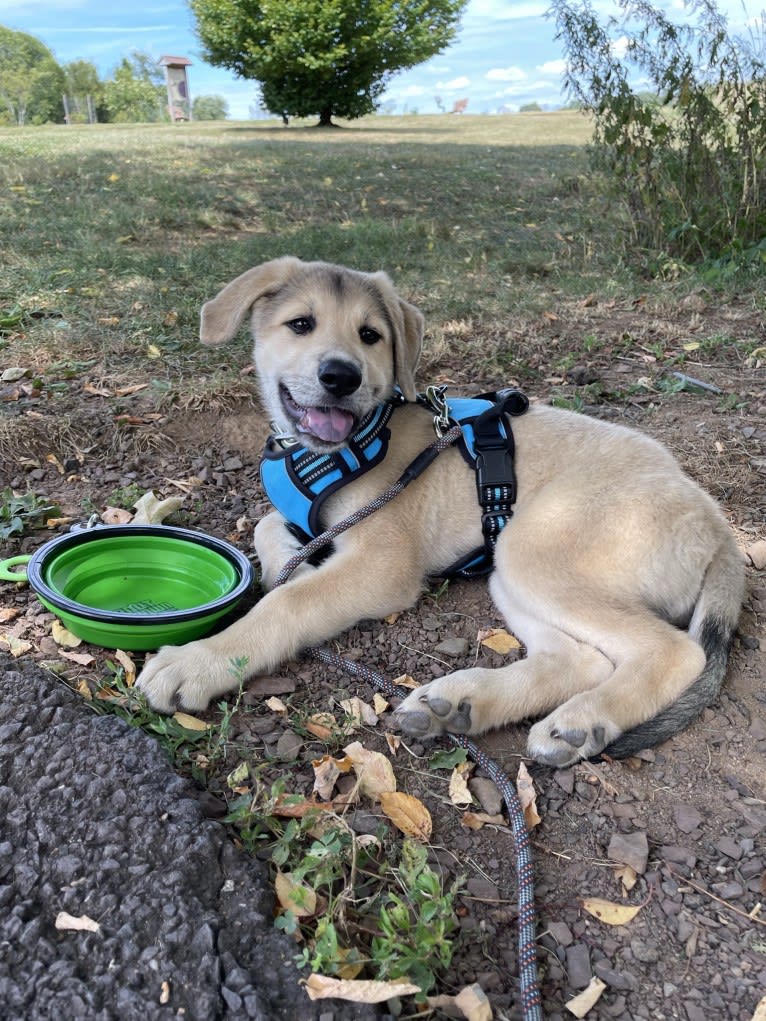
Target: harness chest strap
x=298 y=481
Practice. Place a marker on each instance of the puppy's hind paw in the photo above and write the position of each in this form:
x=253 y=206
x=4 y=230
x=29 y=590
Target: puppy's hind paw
x=556 y=743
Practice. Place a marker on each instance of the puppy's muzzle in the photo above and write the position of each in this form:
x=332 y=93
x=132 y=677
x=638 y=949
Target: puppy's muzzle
x=339 y=378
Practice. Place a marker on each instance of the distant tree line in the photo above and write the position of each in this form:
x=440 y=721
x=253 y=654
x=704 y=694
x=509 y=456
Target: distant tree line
x=33 y=86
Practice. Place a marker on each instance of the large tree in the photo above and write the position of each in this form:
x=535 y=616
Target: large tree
x=31 y=82
x=325 y=57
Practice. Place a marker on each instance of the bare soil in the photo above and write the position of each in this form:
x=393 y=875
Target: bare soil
x=697 y=948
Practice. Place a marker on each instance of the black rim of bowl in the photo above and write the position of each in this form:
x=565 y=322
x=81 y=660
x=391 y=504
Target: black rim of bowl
x=42 y=558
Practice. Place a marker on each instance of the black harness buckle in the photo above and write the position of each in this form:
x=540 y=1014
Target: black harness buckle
x=495 y=474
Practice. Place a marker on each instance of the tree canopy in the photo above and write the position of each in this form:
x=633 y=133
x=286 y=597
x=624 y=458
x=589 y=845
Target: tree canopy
x=325 y=57
x=31 y=82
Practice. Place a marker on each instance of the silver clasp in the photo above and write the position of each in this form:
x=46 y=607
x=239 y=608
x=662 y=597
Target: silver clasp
x=437 y=400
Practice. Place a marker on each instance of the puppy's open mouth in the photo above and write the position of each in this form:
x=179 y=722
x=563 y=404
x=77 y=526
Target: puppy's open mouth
x=331 y=424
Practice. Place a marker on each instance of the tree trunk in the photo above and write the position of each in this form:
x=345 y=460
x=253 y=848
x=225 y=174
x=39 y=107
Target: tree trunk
x=325 y=117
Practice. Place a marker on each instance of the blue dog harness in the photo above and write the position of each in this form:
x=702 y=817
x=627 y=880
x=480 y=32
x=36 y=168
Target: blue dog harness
x=297 y=481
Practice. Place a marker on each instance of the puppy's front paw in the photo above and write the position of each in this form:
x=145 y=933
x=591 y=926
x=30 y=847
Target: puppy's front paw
x=442 y=707
x=184 y=676
x=570 y=733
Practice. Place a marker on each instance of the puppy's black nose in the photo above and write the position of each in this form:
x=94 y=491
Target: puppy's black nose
x=338 y=377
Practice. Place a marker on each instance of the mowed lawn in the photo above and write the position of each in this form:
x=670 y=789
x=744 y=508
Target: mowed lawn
x=113 y=236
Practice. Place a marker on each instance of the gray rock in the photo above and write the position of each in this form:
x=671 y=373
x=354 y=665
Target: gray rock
x=630 y=849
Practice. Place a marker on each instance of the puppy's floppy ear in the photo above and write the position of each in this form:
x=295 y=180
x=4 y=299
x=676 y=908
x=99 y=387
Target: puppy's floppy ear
x=407 y=348
x=222 y=316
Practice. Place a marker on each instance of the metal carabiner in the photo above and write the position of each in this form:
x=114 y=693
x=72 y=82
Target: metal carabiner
x=437 y=400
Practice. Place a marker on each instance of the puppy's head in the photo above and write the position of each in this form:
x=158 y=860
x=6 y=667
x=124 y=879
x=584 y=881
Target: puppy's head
x=330 y=343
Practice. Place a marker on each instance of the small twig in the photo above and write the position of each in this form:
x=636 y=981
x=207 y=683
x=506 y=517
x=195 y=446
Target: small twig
x=712 y=896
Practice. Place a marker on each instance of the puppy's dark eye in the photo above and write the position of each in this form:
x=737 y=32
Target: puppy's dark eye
x=302 y=325
x=369 y=336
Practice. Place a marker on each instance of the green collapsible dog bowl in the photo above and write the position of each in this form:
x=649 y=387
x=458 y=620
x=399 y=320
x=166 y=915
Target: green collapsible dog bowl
x=137 y=587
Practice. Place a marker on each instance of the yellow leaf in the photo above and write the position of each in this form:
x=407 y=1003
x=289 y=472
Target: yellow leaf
x=321 y=725
x=373 y=770
x=458 y=784
x=760 y=1010
x=17 y=646
x=127 y=665
x=152 y=351
x=63 y=637
x=296 y=897
x=609 y=913
x=190 y=722
x=582 y=1003
x=320 y=987
x=405 y=681
x=473 y=1003
x=628 y=876
x=113 y=178
x=526 y=788
x=693 y=345
x=408 y=814
x=498 y=640
x=359 y=711
x=379 y=704
x=85 y=691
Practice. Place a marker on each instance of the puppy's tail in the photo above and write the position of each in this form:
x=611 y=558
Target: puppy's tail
x=712 y=626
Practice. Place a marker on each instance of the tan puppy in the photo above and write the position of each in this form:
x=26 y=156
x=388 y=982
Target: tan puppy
x=618 y=573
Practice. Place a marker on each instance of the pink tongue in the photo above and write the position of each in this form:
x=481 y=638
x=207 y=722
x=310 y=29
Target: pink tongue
x=330 y=424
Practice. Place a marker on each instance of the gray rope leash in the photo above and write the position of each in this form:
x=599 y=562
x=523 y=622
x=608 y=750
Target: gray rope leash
x=531 y=1002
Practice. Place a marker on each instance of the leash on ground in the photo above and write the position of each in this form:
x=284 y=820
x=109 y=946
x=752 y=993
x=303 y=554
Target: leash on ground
x=527 y=947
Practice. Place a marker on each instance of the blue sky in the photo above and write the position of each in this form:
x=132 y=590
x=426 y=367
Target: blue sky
x=504 y=56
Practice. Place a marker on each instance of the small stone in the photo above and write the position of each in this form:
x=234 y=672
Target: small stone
x=678 y=855
x=686 y=818
x=452 y=647
x=487 y=794
x=630 y=849
x=645 y=952
x=288 y=745
x=565 y=779
x=483 y=889
x=757 y=553
x=729 y=847
x=622 y=980
x=578 y=966
x=561 y=933
x=728 y=891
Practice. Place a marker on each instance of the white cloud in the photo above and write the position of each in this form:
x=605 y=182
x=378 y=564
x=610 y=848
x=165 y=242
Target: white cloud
x=552 y=67
x=506 y=74
x=525 y=89
x=620 y=46
x=456 y=83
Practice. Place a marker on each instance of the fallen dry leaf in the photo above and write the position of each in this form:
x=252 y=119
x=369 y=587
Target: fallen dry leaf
x=760 y=1011
x=190 y=722
x=82 y=688
x=627 y=876
x=296 y=897
x=321 y=725
x=16 y=646
x=82 y=923
x=276 y=704
x=405 y=681
x=374 y=771
x=408 y=814
x=326 y=772
x=393 y=741
x=116 y=516
x=359 y=711
x=321 y=987
x=127 y=665
x=458 y=784
x=582 y=1003
x=165 y=993
x=473 y=1002
x=61 y=636
x=498 y=640
x=526 y=790
x=609 y=913
x=379 y=704
x=82 y=658
x=475 y=820
x=8 y=613
x=151 y=511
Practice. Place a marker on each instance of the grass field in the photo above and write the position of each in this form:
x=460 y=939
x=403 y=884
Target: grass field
x=114 y=235
x=122 y=232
